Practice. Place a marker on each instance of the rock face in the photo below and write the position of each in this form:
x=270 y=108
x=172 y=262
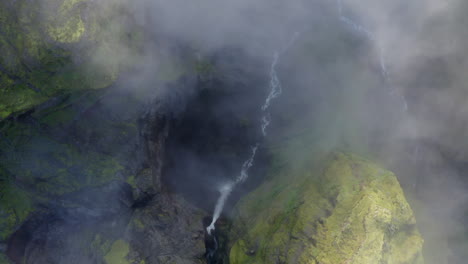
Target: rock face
x=81 y=150
x=348 y=211
x=81 y=183
x=80 y=179
x=167 y=230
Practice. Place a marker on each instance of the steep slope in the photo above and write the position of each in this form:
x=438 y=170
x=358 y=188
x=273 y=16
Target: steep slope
x=347 y=211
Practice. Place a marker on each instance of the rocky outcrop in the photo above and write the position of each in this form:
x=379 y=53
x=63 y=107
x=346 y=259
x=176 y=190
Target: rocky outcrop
x=348 y=211
x=167 y=230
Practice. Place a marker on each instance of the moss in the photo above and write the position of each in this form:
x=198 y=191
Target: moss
x=58 y=168
x=34 y=69
x=70 y=31
x=204 y=67
x=15 y=206
x=131 y=181
x=350 y=211
x=68 y=170
x=4 y=259
x=136 y=222
x=14 y=98
x=118 y=253
x=100 y=245
x=66 y=25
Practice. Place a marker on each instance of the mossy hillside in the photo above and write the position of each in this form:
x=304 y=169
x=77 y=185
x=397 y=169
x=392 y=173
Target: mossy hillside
x=50 y=167
x=118 y=253
x=53 y=170
x=48 y=48
x=350 y=211
x=52 y=48
x=66 y=145
x=67 y=26
x=15 y=205
x=27 y=59
x=100 y=245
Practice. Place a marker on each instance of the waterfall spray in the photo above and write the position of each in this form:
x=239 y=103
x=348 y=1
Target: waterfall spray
x=275 y=91
x=226 y=189
x=224 y=193
x=371 y=37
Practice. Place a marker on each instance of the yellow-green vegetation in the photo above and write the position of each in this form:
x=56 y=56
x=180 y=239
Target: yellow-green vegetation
x=66 y=25
x=101 y=245
x=347 y=211
x=15 y=206
x=29 y=66
x=36 y=39
x=131 y=180
x=137 y=223
x=118 y=253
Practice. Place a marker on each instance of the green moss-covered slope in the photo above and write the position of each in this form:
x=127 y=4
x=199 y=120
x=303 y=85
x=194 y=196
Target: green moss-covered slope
x=49 y=48
x=15 y=206
x=348 y=211
x=118 y=253
x=62 y=148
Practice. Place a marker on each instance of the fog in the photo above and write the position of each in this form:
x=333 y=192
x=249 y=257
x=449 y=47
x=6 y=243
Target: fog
x=393 y=91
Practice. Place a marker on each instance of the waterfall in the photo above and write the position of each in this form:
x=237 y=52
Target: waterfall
x=275 y=91
x=225 y=191
x=371 y=37
x=275 y=86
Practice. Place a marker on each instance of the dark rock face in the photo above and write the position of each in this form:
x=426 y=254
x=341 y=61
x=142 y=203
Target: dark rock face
x=155 y=131
x=92 y=171
x=65 y=235
x=85 y=206
x=211 y=137
x=167 y=230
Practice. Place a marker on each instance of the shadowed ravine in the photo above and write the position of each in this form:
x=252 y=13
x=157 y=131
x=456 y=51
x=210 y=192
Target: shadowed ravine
x=226 y=189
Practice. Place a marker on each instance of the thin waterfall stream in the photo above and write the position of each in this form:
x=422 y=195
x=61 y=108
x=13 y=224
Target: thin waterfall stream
x=275 y=91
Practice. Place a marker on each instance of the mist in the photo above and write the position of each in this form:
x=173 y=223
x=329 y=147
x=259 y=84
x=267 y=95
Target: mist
x=382 y=79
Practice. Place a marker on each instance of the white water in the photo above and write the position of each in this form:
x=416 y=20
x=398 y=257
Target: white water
x=275 y=86
x=360 y=29
x=246 y=166
x=225 y=191
x=265 y=123
x=275 y=91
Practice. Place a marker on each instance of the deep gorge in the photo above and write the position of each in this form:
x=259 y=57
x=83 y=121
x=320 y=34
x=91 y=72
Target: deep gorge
x=121 y=123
